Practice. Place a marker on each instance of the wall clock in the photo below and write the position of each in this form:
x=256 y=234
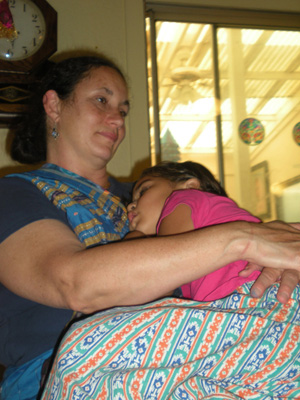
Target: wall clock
x=23 y=53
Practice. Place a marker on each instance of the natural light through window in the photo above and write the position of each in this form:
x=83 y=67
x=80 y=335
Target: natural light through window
x=259 y=86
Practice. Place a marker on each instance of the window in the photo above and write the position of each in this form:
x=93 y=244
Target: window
x=228 y=96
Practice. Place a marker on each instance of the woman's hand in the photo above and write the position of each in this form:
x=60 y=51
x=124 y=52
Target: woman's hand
x=288 y=281
x=273 y=244
x=288 y=278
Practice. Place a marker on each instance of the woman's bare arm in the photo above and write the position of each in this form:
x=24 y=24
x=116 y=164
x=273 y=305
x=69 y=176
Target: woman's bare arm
x=45 y=262
x=288 y=279
x=180 y=221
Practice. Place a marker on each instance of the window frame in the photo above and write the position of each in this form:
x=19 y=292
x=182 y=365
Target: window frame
x=217 y=17
x=225 y=17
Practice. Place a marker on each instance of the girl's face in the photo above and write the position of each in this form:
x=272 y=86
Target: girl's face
x=91 y=124
x=149 y=196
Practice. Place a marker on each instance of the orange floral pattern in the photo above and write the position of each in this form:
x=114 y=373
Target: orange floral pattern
x=234 y=348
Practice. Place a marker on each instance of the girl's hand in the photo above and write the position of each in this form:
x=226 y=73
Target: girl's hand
x=247 y=271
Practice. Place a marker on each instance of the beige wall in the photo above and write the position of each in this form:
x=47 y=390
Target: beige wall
x=116 y=28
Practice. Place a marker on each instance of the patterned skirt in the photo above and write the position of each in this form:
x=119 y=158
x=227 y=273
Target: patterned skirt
x=234 y=348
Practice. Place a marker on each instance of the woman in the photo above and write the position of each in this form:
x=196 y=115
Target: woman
x=50 y=263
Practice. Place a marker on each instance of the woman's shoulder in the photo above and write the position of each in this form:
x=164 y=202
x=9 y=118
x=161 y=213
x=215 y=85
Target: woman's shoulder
x=15 y=190
x=22 y=203
x=13 y=183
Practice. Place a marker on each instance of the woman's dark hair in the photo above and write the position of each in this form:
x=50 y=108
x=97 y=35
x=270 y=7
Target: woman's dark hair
x=29 y=141
x=179 y=172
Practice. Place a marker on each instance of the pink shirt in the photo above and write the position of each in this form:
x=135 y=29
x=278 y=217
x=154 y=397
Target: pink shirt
x=209 y=209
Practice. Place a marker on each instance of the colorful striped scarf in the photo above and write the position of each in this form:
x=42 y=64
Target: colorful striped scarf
x=95 y=215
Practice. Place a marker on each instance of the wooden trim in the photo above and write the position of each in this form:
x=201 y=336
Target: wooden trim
x=225 y=17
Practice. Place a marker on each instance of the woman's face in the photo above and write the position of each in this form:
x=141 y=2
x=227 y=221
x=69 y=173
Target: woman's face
x=91 y=123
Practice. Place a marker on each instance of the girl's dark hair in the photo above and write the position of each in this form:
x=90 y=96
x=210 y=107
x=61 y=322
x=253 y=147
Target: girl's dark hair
x=179 y=172
x=29 y=142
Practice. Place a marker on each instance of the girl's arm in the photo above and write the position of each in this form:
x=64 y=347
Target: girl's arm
x=178 y=221
x=134 y=235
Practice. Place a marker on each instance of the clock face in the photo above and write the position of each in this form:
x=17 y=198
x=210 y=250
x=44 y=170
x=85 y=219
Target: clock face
x=30 y=25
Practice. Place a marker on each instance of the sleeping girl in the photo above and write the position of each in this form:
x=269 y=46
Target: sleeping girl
x=172 y=198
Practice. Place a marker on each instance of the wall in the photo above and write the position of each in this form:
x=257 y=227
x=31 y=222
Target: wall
x=116 y=27
x=281 y=151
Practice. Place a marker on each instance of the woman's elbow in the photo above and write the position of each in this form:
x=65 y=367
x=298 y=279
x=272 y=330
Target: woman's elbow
x=80 y=298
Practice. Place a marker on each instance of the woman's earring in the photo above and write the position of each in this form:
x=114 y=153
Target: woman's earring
x=54 y=133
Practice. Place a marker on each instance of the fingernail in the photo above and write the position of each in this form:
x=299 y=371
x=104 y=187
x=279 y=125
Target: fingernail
x=254 y=292
x=284 y=298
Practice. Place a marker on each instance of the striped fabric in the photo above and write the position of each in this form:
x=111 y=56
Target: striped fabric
x=95 y=215
x=234 y=348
